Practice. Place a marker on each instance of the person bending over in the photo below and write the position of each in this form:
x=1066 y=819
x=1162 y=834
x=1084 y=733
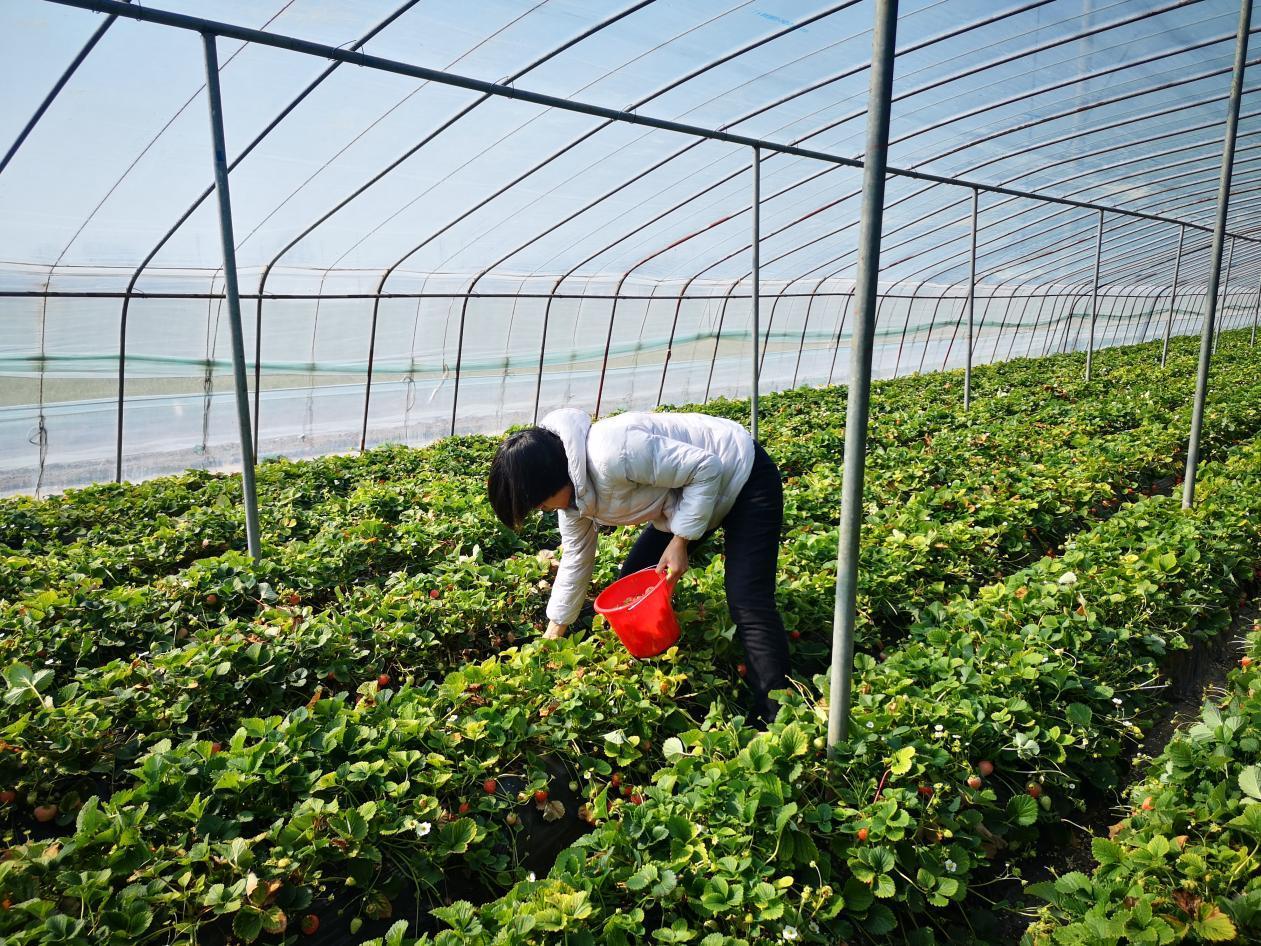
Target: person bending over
x=686 y=475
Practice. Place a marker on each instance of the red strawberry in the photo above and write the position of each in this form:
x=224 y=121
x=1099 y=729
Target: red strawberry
x=1148 y=805
x=383 y=680
x=435 y=593
x=489 y=786
x=985 y=767
x=862 y=834
x=8 y=797
x=216 y=748
x=616 y=779
x=465 y=808
x=926 y=791
x=45 y=813
x=637 y=799
x=310 y=923
x=742 y=670
x=1034 y=790
x=795 y=635
x=1245 y=661
x=212 y=599
x=974 y=781
x=294 y=599
x=540 y=797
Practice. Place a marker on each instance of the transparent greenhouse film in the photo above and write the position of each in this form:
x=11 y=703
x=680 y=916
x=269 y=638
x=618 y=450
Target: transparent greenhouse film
x=178 y=401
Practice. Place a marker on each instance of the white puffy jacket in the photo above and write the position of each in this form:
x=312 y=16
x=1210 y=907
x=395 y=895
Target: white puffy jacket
x=681 y=472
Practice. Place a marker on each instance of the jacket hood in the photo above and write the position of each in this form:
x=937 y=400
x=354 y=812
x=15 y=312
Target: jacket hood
x=572 y=426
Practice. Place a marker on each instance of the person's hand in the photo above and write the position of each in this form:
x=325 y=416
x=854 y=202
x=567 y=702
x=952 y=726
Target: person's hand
x=555 y=630
x=674 y=559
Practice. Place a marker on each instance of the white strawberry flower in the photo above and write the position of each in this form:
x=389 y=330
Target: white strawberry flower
x=790 y=934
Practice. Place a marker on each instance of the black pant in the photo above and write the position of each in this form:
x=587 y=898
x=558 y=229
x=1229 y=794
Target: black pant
x=751 y=541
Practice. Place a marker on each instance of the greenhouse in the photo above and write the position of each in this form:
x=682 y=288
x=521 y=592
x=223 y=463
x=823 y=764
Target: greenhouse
x=942 y=314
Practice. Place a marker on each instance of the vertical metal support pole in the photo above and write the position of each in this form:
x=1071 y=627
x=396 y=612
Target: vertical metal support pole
x=1140 y=318
x=1173 y=299
x=1219 y=235
x=757 y=281
x=906 y=327
x=1019 y=322
x=766 y=335
x=1094 y=300
x=233 y=291
x=1037 y=320
x=459 y=363
x=985 y=313
x=1256 y=311
x=1069 y=315
x=804 y=325
x=928 y=336
x=722 y=316
x=840 y=330
x=608 y=345
x=538 y=386
x=967 y=365
x=367 y=385
x=674 y=327
x=122 y=380
x=1230 y=262
x=258 y=361
x=1125 y=319
x=875 y=158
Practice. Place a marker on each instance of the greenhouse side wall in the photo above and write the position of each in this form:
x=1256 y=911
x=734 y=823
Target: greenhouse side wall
x=518 y=348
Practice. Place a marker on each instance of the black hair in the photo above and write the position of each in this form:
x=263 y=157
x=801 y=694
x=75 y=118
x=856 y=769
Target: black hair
x=528 y=467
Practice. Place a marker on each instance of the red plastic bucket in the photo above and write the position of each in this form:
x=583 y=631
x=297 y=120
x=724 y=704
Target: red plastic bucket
x=638 y=609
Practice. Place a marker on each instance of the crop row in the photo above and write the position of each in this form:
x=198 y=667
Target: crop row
x=293 y=498
x=402 y=511
x=967 y=740
x=1184 y=865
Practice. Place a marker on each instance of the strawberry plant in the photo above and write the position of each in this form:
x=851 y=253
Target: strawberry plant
x=220 y=748
x=1183 y=867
